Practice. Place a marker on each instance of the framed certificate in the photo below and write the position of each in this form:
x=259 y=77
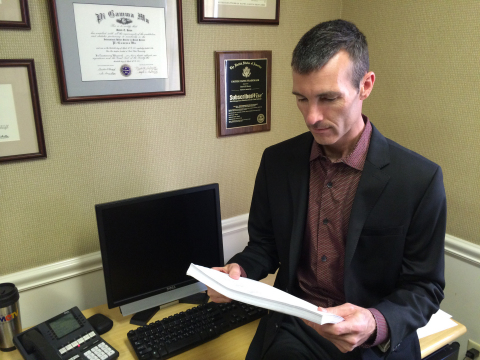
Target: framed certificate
x=243 y=83
x=264 y=12
x=21 y=131
x=14 y=14
x=117 y=49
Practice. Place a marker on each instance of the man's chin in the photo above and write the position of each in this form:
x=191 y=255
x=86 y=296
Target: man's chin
x=324 y=140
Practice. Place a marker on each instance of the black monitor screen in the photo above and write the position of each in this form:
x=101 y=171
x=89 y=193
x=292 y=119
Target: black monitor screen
x=149 y=242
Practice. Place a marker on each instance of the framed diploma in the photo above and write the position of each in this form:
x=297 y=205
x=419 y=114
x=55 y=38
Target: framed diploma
x=117 y=49
x=21 y=131
x=243 y=83
x=264 y=12
x=14 y=14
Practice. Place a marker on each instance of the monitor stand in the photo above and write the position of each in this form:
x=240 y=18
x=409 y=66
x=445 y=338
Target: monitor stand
x=196 y=299
x=142 y=318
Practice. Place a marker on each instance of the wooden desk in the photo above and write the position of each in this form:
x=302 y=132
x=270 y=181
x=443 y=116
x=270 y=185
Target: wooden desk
x=432 y=343
x=229 y=346
x=232 y=345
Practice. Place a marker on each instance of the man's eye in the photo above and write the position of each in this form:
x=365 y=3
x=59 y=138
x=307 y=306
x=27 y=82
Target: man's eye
x=328 y=99
x=301 y=99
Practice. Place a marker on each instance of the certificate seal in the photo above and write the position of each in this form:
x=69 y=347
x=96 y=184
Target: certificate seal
x=126 y=70
x=124 y=21
x=261 y=118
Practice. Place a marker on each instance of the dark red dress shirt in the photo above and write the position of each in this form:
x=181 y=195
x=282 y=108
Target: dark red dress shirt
x=332 y=190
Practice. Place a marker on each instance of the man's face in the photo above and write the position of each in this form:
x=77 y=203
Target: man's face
x=330 y=104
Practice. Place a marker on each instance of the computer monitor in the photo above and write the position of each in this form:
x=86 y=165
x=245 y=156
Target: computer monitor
x=147 y=244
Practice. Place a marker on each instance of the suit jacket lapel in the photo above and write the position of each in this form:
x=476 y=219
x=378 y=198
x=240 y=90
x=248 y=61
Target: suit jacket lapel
x=371 y=185
x=299 y=175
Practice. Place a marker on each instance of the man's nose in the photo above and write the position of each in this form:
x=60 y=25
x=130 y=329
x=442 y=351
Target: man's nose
x=313 y=115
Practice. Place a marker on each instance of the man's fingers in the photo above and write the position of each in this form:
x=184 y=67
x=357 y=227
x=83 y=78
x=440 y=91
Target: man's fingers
x=233 y=270
x=346 y=335
x=343 y=310
x=215 y=296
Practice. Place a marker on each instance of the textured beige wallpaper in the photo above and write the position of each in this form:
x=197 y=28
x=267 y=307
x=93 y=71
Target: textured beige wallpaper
x=426 y=97
x=105 y=151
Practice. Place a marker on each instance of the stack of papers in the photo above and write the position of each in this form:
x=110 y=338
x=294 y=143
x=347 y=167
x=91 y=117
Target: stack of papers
x=259 y=294
x=438 y=322
x=266 y=296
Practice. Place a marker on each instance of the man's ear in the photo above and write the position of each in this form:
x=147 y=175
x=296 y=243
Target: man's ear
x=366 y=86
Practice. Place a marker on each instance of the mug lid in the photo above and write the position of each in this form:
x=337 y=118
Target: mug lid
x=8 y=294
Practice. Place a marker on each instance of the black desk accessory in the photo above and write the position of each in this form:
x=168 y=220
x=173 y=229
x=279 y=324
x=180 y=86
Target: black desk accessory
x=66 y=336
x=100 y=323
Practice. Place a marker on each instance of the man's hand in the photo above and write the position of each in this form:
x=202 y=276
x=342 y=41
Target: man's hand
x=359 y=324
x=233 y=270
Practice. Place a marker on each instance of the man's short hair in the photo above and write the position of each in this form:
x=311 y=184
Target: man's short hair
x=323 y=41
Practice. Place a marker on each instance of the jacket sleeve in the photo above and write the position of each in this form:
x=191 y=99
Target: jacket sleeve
x=260 y=256
x=419 y=289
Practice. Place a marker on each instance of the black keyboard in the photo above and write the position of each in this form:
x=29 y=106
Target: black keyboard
x=178 y=333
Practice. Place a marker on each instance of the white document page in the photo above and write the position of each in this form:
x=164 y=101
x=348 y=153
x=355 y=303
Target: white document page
x=259 y=294
x=438 y=322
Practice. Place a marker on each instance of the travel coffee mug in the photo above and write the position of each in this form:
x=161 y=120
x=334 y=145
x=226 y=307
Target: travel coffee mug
x=10 y=324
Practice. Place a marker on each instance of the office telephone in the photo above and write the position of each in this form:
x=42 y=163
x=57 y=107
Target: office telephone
x=67 y=336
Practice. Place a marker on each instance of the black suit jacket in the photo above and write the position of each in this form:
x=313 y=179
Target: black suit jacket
x=394 y=256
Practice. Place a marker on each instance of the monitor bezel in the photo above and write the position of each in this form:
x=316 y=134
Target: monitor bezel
x=99 y=208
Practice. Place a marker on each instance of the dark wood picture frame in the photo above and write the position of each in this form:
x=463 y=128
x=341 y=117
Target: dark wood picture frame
x=263 y=119
x=30 y=127
x=73 y=89
x=233 y=19
x=24 y=23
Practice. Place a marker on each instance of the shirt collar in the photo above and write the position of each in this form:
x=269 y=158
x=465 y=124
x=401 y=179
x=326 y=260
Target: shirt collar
x=356 y=159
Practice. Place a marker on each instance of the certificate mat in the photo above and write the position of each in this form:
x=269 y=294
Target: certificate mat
x=10 y=10
x=120 y=42
x=8 y=115
x=27 y=142
x=76 y=87
x=240 y=9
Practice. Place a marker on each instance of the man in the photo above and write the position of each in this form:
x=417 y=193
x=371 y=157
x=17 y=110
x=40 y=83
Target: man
x=354 y=222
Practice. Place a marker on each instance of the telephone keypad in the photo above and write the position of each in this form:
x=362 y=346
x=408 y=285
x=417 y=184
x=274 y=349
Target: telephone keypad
x=77 y=343
x=99 y=352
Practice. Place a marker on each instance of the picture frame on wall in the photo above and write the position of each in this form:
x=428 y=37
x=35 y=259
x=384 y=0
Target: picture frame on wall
x=21 y=129
x=243 y=91
x=14 y=14
x=118 y=49
x=261 y=12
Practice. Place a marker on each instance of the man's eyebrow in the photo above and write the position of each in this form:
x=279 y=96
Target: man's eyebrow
x=326 y=94
x=329 y=94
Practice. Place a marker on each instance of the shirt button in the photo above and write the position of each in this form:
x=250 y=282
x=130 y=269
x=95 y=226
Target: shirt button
x=325 y=221
x=329 y=185
x=324 y=258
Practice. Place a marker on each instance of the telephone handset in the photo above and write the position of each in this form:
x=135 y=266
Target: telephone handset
x=33 y=341
x=67 y=336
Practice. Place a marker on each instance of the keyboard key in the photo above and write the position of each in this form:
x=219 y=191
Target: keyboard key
x=183 y=343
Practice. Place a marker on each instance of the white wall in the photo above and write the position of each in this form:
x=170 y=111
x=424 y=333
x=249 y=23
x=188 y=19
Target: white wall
x=48 y=290
x=462 y=290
